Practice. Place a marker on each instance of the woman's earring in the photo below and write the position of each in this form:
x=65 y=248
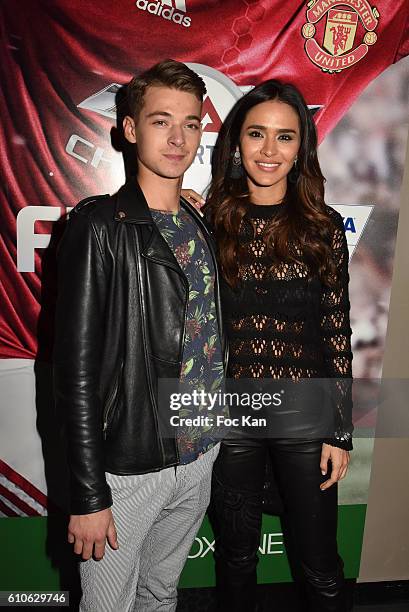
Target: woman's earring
x=236 y=171
x=294 y=172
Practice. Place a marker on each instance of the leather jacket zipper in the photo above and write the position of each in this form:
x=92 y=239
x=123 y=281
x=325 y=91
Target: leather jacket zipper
x=110 y=402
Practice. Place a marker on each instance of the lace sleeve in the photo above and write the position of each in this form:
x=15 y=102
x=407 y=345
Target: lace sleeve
x=336 y=340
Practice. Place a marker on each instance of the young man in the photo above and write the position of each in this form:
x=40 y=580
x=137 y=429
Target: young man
x=138 y=301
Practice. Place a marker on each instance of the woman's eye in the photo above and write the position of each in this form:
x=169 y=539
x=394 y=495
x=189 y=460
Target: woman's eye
x=255 y=134
x=285 y=137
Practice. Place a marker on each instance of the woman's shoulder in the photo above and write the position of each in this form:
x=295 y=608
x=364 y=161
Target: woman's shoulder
x=335 y=217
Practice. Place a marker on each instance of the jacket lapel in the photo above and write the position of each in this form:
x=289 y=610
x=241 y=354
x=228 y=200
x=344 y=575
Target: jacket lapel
x=132 y=207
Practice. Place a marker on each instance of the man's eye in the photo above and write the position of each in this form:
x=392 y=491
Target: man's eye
x=159 y=122
x=192 y=126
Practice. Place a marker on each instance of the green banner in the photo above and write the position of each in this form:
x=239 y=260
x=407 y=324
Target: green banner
x=27 y=565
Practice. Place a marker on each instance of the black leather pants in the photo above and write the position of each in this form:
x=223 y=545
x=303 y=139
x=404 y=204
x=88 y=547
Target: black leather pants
x=309 y=522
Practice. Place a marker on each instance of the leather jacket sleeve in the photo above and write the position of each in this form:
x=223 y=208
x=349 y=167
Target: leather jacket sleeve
x=77 y=355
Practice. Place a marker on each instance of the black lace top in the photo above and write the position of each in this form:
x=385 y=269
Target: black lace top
x=282 y=322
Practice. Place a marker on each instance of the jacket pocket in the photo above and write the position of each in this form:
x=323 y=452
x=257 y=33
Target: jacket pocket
x=111 y=401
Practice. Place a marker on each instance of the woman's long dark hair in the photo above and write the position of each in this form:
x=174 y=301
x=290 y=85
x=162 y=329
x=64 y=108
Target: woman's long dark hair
x=303 y=221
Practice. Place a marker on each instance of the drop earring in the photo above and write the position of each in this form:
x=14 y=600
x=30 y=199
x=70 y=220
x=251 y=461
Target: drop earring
x=236 y=171
x=294 y=172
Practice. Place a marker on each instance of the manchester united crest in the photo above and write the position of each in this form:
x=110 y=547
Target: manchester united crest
x=339 y=26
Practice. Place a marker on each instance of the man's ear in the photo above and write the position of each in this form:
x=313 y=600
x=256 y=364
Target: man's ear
x=129 y=129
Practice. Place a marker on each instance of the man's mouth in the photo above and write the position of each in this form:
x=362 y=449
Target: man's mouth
x=174 y=156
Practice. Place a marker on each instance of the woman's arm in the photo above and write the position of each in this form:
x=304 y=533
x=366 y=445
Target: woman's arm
x=336 y=346
x=336 y=340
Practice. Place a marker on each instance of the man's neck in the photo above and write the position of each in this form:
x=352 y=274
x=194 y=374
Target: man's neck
x=162 y=194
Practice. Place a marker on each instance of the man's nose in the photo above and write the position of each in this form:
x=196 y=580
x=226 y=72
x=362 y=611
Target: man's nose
x=176 y=136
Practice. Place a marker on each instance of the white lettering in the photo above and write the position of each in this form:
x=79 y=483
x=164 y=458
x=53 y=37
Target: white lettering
x=226 y=422
x=171 y=10
x=268 y=541
x=179 y=4
x=27 y=239
x=203 y=548
x=97 y=156
x=73 y=141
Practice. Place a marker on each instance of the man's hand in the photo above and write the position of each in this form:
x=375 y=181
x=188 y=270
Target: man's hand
x=339 y=464
x=89 y=532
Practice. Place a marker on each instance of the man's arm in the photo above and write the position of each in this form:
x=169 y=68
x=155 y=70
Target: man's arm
x=77 y=355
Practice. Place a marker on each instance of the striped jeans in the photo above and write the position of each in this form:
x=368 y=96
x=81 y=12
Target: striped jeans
x=157 y=516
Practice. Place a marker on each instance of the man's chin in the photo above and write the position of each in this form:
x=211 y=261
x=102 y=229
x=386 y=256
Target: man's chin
x=173 y=173
x=169 y=171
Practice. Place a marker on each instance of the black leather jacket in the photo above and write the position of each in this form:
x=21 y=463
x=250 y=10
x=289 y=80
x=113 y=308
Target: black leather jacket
x=119 y=327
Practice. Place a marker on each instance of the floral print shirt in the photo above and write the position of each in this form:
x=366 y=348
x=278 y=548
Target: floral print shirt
x=202 y=366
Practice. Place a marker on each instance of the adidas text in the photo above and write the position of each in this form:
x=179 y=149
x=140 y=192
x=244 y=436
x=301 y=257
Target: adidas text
x=157 y=8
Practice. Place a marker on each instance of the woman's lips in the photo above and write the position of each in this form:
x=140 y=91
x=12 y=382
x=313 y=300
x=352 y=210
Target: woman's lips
x=267 y=166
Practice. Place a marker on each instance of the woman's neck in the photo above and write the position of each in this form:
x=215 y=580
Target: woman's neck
x=267 y=196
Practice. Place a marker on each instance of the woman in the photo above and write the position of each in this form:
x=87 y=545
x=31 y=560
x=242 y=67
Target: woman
x=284 y=261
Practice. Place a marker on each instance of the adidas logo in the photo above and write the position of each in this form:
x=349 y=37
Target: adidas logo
x=172 y=10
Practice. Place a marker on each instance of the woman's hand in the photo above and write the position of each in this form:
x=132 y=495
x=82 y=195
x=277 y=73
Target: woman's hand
x=339 y=459
x=193 y=198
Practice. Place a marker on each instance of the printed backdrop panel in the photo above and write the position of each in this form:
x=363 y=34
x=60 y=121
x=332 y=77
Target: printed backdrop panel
x=63 y=62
